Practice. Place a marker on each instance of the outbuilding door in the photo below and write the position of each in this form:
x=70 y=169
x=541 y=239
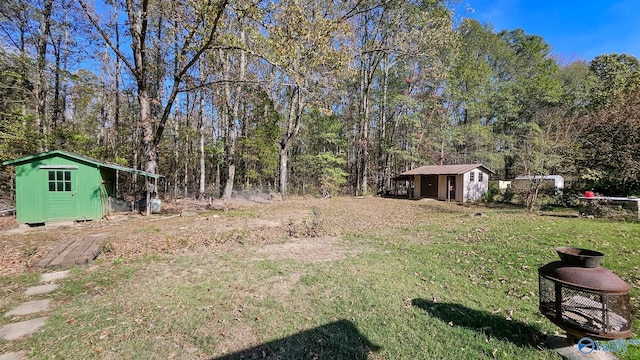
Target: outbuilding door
x=451 y=188
x=429 y=186
x=60 y=194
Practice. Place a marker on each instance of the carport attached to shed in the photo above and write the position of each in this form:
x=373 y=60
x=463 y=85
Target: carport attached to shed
x=463 y=182
x=58 y=186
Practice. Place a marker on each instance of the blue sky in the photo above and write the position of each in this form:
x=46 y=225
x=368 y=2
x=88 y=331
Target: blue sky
x=576 y=30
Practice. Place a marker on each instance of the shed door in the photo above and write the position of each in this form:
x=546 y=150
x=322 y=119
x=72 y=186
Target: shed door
x=60 y=196
x=451 y=187
x=429 y=186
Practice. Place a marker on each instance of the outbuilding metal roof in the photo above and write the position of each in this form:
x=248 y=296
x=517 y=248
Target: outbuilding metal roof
x=81 y=158
x=445 y=169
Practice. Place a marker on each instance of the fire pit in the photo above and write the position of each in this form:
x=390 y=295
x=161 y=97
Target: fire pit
x=583 y=298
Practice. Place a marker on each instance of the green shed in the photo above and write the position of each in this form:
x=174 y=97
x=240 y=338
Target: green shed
x=58 y=186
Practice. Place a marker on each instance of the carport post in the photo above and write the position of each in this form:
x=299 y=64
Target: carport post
x=148 y=206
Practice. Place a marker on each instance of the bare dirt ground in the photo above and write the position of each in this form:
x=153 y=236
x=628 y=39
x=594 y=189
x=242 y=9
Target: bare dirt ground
x=306 y=249
x=280 y=228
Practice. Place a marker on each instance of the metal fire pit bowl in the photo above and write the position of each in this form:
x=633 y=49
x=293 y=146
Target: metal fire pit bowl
x=584 y=298
x=580 y=257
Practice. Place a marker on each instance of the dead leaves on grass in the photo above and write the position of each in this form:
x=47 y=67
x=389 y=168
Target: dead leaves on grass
x=16 y=260
x=204 y=228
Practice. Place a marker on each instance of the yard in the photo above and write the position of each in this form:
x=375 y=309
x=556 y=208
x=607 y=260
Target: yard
x=356 y=278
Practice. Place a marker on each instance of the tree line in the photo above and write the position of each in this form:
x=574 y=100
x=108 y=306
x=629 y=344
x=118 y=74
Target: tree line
x=307 y=96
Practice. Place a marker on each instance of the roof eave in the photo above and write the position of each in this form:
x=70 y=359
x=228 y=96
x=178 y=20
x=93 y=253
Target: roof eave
x=130 y=170
x=96 y=163
x=442 y=171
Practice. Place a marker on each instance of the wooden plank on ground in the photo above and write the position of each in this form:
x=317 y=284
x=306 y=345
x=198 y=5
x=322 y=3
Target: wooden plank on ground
x=54 y=253
x=74 y=251
x=86 y=254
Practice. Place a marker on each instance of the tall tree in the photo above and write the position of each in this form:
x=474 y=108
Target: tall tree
x=390 y=33
x=42 y=41
x=499 y=82
x=471 y=87
x=196 y=28
x=320 y=163
x=609 y=146
x=305 y=44
x=578 y=83
x=546 y=145
x=18 y=136
x=26 y=26
x=231 y=110
x=616 y=74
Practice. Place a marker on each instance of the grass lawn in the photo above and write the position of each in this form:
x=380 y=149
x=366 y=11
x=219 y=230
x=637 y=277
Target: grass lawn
x=344 y=278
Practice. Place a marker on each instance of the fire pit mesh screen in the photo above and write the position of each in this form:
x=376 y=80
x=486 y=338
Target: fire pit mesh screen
x=547 y=296
x=588 y=310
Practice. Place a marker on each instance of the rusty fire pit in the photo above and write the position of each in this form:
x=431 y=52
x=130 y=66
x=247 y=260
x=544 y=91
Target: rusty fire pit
x=583 y=298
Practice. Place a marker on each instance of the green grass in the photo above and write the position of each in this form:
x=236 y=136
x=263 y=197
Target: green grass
x=449 y=286
x=12 y=290
x=238 y=213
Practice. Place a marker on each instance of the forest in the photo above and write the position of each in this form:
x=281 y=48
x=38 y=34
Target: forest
x=307 y=97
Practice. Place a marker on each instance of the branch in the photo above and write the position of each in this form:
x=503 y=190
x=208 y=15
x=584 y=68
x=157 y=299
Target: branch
x=229 y=81
x=187 y=43
x=9 y=36
x=395 y=51
x=7 y=135
x=354 y=10
x=207 y=45
x=106 y=38
x=138 y=28
x=259 y=56
x=177 y=78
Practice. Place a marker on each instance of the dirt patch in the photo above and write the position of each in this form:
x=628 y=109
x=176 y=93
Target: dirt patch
x=236 y=338
x=308 y=250
x=280 y=286
x=300 y=228
x=8 y=222
x=17 y=257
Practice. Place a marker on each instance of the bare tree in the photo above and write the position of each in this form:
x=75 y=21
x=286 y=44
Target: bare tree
x=197 y=27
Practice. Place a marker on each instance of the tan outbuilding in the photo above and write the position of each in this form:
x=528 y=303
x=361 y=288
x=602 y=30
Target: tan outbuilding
x=461 y=183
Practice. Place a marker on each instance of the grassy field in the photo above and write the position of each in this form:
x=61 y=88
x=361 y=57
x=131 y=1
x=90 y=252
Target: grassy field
x=352 y=278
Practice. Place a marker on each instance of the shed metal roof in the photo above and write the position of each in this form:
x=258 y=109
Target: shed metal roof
x=81 y=158
x=445 y=169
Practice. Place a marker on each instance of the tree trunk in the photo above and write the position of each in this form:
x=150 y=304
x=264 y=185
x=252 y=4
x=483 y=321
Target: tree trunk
x=364 y=188
x=148 y=146
x=201 y=135
x=138 y=17
x=136 y=155
x=116 y=110
x=364 y=135
x=233 y=119
x=185 y=153
x=383 y=159
x=176 y=155
x=57 y=84
x=41 y=64
x=284 y=159
x=296 y=106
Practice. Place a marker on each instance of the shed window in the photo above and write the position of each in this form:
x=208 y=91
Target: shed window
x=472 y=176
x=480 y=176
x=59 y=180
